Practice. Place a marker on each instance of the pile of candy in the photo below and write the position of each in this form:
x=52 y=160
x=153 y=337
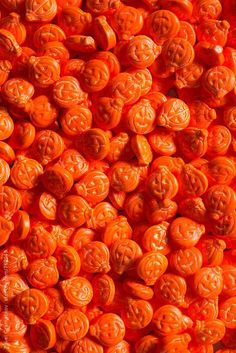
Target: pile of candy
x=118 y=176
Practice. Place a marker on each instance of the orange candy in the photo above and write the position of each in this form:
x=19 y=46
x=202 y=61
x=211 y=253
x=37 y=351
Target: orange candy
x=149 y=342
x=156 y=238
x=5 y=69
x=74 y=163
x=72 y=325
x=151 y=266
x=229 y=280
x=43 y=334
x=43 y=273
x=95 y=144
x=6 y=228
x=141 y=117
x=25 y=172
x=141 y=52
x=125 y=86
x=178 y=343
x=210 y=54
x=219 y=140
x=162 y=141
x=80 y=43
x=81 y=237
x=31 y=305
x=222 y=205
x=110 y=59
x=55 y=146
x=120 y=148
x=168 y=319
x=77 y=291
x=183 y=9
x=67 y=91
x=56 y=50
x=57 y=180
x=17 y=91
x=5 y=171
x=9 y=45
x=185 y=233
x=116 y=229
x=126 y=29
x=21 y=222
x=48 y=33
x=76 y=120
x=186 y=262
x=12 y=6
x=95 y=257
x=42 y=111
x=93 y=186
x=138 y=314
x=12 y=326
x=95 y=75
x=10 y=201
x=39 y=75
x=203 y=331
x=142 y=149
x=39 y=243
x=213 y=31
x=208 y=282
x=55 y=306
x=123 y=255
x=193 y=143
x=174 y=115
x=204 y=309
x=72 y=210
x=212 y=251
x=10 y=286
x=163 y=25
x=103 y=289
x=73 y=14
x=104 y=33
x=223 y=86
x=171 y=289
x=7 y=125
x=201 y=115
x=119 y=180
x=108 y=114
x=193 y=183
x=117 y=176
x=101 y=215
x=22 y=138
x=177 y=53
x=144 y=78
x=38 y=11
x=189 y=76
x=162 y=184
x=86 y=343
x=229 y=118
x=68 y=261
x=138 y=289
x=187 y=32
x=204 y=9
x=109 y=329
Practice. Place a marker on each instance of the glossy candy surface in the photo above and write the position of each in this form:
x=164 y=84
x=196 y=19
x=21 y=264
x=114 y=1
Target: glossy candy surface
x=117 y=176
